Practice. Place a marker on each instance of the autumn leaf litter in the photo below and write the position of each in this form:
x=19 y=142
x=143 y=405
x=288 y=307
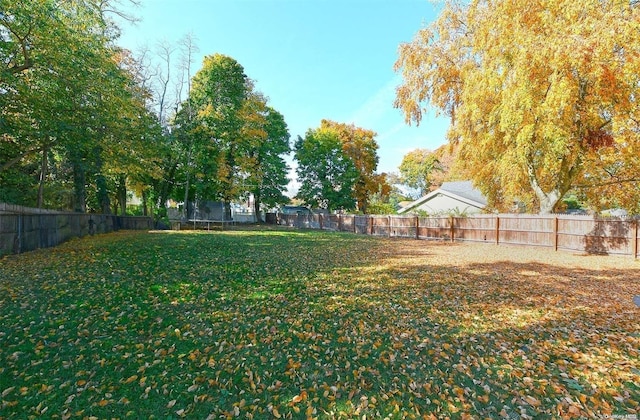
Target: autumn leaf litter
x=284 y=324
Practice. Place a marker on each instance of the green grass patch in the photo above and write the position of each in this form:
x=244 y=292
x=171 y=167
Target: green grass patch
x=285 y=324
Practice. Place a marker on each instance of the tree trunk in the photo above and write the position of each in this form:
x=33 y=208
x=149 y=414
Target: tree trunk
x=256 y=207
x=145 y=209
x=185 y=207
x=101 y=184
x=548 y=201
x=569 y=169
x=121 y=193
x=43 y=176
x=79 y=187
x=103 y=194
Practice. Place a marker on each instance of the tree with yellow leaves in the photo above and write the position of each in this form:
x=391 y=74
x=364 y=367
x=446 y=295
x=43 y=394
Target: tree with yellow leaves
x=542 y=94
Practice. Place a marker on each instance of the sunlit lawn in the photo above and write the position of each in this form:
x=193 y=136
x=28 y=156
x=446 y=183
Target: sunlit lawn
x=286 y=324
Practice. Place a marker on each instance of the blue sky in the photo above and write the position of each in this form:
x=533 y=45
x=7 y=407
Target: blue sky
x=314 y=59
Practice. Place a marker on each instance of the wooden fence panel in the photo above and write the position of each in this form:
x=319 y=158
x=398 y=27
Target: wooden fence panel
x=134 y=223
x=315 y=221
x=380 y=225
x=331 y=222
x=16 y=209
x=403 y=226
x=475 y=229
x=572 y=231
x=300 y=221
x=361 y=224
x=29 y=231
x=290 y=220
x=434 y=228
x=536 y=230
x=567 y=232
x=348 y=222
x=597 y=236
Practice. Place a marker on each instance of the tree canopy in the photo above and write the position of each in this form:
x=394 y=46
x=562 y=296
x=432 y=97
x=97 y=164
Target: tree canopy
x=360 y=146
x=417 y=169
x=326 y=174
x=262 y=170
x=543 y=95
x=235 y=141
x=83 y=121
x=218 y=93
x=70 y=110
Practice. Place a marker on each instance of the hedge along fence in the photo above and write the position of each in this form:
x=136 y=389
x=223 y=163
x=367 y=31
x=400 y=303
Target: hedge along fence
x=560 y=232
x=23 y=229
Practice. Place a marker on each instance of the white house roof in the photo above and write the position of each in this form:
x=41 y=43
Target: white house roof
x=463 y=191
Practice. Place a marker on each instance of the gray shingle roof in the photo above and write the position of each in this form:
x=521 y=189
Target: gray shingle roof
x=464 y=189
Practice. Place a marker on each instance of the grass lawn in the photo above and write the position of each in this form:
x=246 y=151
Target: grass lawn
x=290 y=324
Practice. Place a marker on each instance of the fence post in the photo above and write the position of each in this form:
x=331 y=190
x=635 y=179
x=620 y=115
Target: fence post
x=497 y=230
x=635 y=238
x=452 y=228
x=354 y=224
x=340 y=223
x=555 y=233
x=370 y=221
x=320 y=220
x=389 y=218
x=417 y=227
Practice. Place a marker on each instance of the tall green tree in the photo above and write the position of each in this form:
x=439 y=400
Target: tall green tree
x=218 y=93
x=139 y=132
x=326 y=174
x=34 y=103
x=417 y=169
x=62 y=97
x=360 y=145
x=266 y=141
x=543 y=95
x=235 y=141
x=133 y=155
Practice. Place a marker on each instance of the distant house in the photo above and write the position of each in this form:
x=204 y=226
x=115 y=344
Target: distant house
x=459 y=197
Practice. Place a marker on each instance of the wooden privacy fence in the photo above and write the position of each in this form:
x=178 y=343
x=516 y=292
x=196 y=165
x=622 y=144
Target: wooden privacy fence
x=558 y=231
x=23 y=229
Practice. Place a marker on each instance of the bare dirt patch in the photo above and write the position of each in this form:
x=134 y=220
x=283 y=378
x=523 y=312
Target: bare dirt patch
x=460 y=254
